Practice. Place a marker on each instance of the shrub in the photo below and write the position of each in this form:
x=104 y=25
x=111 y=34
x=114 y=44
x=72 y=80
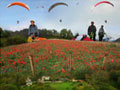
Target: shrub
x=12 y=40
x=16 y=40
x=8 y=87
x=84 y=86
x=98 y=77
x=13 y=78
x=81 y=73
x=115 y=78
x=7 y=80
x=3 y=42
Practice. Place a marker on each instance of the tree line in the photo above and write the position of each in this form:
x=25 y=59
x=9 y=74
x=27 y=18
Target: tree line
x=9 y=37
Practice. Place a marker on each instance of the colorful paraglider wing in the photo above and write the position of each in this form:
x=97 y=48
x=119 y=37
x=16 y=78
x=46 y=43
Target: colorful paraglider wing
x=56 y=4
x=19 y=4
x=107 y=2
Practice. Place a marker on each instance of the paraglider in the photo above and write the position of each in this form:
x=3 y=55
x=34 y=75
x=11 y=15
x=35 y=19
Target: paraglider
x=37 y=7
x=18 y=22
x=107 y=2
x=42 y=6
x=60 y=20
x=19 y=4
x=77 y=3
x=105 y=21
x=56 y=4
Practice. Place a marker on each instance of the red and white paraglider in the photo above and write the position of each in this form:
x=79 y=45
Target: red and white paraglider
x=107 y=2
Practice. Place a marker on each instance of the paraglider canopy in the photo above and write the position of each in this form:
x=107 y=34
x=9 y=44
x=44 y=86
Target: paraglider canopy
x=56 y=4
x=19 y=4
x=107 y=2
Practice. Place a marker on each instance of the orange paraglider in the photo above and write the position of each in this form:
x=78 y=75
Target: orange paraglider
x=19 y=4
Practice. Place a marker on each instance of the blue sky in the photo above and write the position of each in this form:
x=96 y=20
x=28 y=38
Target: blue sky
x=77 y=16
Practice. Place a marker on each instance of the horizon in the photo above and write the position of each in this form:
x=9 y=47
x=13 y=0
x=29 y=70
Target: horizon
x=76 y=17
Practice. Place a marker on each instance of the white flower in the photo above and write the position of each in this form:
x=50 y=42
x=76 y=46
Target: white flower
x=28 y=82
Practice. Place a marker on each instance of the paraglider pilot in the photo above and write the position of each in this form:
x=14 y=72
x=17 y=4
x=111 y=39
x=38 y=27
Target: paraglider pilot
x=101 y=33
x=33 y=29
x=92 y=31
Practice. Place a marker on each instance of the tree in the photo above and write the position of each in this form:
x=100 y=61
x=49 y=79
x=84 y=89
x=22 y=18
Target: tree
x=63 y=34
x=69 y=34
x=55 y=33
x=1 y=31
x=4 y=33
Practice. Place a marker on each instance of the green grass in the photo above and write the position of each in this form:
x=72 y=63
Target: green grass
x=64 y=85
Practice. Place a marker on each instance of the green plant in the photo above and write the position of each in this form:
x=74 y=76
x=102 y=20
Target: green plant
x=8 y=87
x=3 y=42
x=98 y=77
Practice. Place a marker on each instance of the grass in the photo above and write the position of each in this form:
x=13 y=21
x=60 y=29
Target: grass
x=64 y=85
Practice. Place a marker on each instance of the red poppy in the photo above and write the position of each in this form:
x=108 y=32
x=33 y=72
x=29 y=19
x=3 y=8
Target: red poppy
x=63 y=70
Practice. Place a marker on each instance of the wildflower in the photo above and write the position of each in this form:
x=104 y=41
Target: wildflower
x=112 y=60
x=63 y=70
x=14 y=63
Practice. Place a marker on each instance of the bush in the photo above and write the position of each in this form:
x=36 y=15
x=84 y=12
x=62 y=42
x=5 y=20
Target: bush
x=3 y=42
x=21 y=80
x=84 y=86
x=81 y=73
x=115 y=78
x=16 y=40
x=98 y=77
x=13 y=40
x=7 y=80
x=13 y=78
x=8 y=87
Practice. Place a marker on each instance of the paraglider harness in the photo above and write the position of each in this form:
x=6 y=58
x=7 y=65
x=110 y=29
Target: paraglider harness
x=92 y=35
x=107 y=37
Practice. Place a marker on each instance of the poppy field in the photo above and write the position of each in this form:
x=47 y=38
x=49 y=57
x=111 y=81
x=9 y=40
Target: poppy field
x=94 y=64
x=59 y=57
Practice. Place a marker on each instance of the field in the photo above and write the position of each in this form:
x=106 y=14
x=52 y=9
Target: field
x=60 y=59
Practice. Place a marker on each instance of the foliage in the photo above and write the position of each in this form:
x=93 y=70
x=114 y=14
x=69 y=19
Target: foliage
x=98 y=77
x=84 y=86
x=16 y=40
x=8 y=87
x=7 y=39
x=66 y=34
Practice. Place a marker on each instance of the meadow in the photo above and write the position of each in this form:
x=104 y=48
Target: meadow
x=63 y=60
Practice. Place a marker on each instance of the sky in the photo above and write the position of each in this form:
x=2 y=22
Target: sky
x=76 y=17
